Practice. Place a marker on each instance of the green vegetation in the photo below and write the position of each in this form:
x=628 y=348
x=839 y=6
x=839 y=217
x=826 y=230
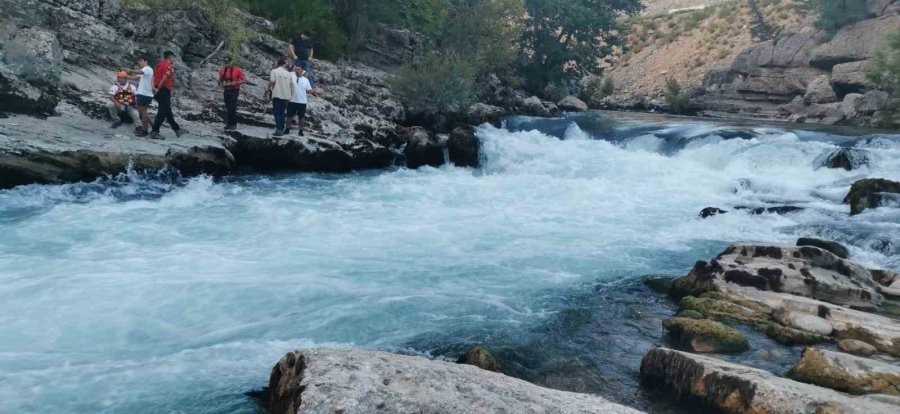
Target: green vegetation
x=435 y=82
x=229 y=25
x=835 y=14
x=884 y=73
x=594 y=88
x=676 y=97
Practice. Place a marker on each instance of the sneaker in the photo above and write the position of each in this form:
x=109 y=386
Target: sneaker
x=140 y=133
x=300 y=133
x=154 y=135
x=180 y=132
x=278 y=134
x=116 y=124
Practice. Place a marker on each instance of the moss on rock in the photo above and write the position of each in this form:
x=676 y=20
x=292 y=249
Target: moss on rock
x=703 y=335
x=723 y=310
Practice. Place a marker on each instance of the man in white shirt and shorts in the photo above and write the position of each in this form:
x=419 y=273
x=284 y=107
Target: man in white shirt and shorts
x=144 y=76
x=297 y=105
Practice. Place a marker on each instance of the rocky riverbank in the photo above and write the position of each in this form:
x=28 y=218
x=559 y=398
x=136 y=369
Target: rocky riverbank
x=58 y=58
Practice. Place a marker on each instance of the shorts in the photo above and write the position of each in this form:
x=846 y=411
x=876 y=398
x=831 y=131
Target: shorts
x=298 y=109
x=144 y=101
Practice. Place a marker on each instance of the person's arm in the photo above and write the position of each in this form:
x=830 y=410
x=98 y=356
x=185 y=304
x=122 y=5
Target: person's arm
x=112 y=98
x=311 y=50
x=293 y=52
x=162 y=81
x=239 y=80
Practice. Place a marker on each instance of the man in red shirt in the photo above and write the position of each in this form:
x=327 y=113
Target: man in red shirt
x=231 y=78
x=163 y=83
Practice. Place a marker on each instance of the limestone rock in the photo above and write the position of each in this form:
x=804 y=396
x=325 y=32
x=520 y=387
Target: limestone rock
x=850 y=77
x=743 y=390
x=711 y=211
x=659 y=284
x=536 y=107
x=572 y=104
x=819 y=91
x=215 y=161
x=826 y=114
x=872 y=102
x=702 y=335
x=712 y=306
x=846 y=373
x=481 y=358
x=308 y=153
x=348 y=381
x=849 y=104
x=792 y=336
x=481 y=113
x=805 y=271
x=868 y=193
x=463 y=147
x=690 y=314
x=422 y=149
x=855 y=42
x=30 y=68
x=804 y=322
x=855 y=347
x=834 y=247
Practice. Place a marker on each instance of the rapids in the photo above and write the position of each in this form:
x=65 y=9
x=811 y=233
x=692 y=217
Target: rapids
x=153 y=294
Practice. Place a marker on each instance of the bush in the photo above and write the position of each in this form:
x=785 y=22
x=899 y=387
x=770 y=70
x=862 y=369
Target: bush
x=556 y=91
x=884 y=73
x=219 y=12
x=835 y=14
x=435 y=82
x=676 y=97
x=315 y=16
x=595 y=88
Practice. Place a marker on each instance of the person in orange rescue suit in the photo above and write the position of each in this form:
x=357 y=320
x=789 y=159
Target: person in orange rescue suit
x=122 y=100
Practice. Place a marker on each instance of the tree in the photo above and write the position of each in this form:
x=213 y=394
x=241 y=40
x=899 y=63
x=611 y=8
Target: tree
x=676 y=97
x=435 y=83
x=884 y=73
x=564 y=39
x=835 y=14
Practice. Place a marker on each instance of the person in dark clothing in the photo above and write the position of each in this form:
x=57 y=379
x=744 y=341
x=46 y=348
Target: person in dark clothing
x=302 y=50
x=163 y=83
x=231 y=78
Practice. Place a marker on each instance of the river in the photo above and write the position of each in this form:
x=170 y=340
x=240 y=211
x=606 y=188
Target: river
x=151 y=294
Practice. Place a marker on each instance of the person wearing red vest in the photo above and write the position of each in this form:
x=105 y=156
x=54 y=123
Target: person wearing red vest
x=122 y=100
x=231 y=78
x=163 y=83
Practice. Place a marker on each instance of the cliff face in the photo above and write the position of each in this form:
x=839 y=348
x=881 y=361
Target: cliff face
x=757 y=58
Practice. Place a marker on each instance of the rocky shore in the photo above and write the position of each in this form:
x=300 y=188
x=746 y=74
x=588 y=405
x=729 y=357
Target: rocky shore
x=53 y=126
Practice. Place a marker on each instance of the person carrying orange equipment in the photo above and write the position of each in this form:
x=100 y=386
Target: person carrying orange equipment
x=122 y=100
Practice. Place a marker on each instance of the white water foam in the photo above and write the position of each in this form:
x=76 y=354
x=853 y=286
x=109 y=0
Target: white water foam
x=148 y=297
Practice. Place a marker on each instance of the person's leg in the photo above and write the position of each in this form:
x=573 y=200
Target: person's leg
x=231 y=101
x=171 y=117
x=164 y=111
x=307 y=66
x=301 y=118
x=113 y=112
x=289 y=119
x=133 y=114
x=279 y=106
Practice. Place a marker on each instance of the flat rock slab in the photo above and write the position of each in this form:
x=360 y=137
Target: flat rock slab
x=847 y=373
x=739 y=389
x=320 y=381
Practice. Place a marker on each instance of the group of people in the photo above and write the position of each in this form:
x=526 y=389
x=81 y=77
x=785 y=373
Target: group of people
x=153 y=84
x=288 y=87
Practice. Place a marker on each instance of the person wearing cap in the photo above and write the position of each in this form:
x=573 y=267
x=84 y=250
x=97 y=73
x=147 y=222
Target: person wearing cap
x=297 y=105
x=163 y=84
x=122 y=100
x=231 y=78
x=144 y=76
x=281 y=89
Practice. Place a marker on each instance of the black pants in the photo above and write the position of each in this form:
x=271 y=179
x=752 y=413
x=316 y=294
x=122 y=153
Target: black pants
x=298 y=110
x=164 y=100
x=231 y=102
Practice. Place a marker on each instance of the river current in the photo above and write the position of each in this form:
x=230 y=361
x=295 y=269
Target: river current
x=151 y=294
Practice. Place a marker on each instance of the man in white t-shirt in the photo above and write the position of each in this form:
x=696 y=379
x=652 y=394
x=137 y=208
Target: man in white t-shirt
x=281 y=89
x=297 y=105
x=122 y=100
x=144 y=76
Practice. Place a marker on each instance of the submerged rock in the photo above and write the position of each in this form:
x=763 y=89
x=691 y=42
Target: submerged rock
x=781 y=210
x=834 y=247
x=846 y=373
x=866 y=194
x=711 y=211
x=739 y=389
x=348 y=381
x=702 y=335
x=847 y=158
x=712 y=307
x=481 y=358
x=659 y=284
x=791 y=336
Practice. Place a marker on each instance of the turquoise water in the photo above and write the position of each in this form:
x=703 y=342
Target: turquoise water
x=136 y=294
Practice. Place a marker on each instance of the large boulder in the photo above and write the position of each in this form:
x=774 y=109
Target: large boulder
x=804 y=322
x=308 y=153
x=572 y=104
x=481 y=113
x=463 y=147
x=872 y=101
x=869 y=193
x=819 y=91
x=703 y=335
x=534 y=106
x=30 y=69
x=856 y=347
x=850 y=77
x=738 y=389
x=855 y=42
x=848 y=159
x=832 y=246
x=806 y=271
x=328 y=381
x=210 y=160
x=422 y=149
x=847 y=373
